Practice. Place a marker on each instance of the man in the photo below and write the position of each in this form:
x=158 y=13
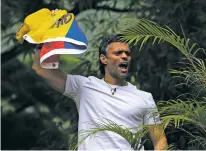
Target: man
x=110 y=98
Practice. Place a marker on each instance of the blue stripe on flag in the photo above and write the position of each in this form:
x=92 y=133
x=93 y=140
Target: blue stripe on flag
x=69 y=45
x=76 y=33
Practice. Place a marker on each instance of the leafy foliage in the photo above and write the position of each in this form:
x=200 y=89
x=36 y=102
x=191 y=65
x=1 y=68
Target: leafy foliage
x=179 y=114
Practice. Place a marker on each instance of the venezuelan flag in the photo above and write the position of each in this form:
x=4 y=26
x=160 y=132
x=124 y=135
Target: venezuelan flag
x=60 y=34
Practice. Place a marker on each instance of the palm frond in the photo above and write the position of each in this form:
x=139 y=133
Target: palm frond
x=108 y=125
x=178 y=112
x=194 y=77
x=144 y=29
x=171 y=147
x=198 y=140
x=72 y=141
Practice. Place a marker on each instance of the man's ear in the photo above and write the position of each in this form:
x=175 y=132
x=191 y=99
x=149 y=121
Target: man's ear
x=103 y=59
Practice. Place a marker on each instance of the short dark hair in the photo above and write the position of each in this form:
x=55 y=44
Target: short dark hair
x=103 y=48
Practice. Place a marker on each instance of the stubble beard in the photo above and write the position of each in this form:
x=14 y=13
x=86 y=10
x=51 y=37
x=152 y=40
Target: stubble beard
x=115 y=72
x=118 y=75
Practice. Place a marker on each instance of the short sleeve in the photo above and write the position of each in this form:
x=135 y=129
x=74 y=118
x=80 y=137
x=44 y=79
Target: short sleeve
x=151 y=115
x=73 y=85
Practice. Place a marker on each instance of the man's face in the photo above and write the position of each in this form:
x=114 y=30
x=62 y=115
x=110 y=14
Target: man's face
x=118 y=60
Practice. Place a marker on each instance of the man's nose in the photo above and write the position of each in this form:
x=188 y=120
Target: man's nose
x=124 y=55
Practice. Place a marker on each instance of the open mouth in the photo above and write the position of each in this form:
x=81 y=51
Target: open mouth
x=124 y=66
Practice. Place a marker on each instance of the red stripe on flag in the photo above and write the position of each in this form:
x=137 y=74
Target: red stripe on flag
x=47 y=47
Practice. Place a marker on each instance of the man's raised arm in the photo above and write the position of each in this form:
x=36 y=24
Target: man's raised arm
x=54 y=77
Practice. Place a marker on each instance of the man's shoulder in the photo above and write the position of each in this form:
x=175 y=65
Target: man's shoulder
x=84 y=79
x=142 y=93
x=145 y=93
x=93 y=78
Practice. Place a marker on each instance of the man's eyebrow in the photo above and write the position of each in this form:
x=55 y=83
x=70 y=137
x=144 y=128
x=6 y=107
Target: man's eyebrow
x=122 y=50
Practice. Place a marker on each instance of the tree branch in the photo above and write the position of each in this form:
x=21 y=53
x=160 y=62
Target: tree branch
x=114 y=9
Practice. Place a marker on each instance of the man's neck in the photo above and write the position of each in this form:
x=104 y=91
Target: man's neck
x=114 y=81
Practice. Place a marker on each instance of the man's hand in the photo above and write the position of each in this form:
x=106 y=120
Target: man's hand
x=54 y=77
x=158 y=137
